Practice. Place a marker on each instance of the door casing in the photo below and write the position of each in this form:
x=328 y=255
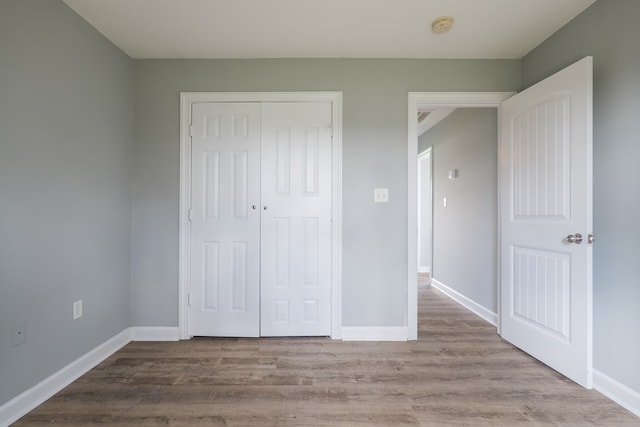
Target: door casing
x=425 y=180
x=187 y=99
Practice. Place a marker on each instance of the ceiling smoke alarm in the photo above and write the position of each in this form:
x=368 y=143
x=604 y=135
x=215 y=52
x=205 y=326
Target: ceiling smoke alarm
x=442 y=24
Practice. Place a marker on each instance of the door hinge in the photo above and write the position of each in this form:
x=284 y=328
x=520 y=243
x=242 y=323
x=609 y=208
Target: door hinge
x=191 y=130
x=189 y=298
x=189 y=215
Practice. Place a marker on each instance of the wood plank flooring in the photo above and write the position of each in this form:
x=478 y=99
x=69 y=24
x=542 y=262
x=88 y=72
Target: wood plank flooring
x=459 y=372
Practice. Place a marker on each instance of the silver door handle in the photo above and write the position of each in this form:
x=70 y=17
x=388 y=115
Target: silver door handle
x=574 y=238
x=253 y=207
x=265 y=207
x=590 y=239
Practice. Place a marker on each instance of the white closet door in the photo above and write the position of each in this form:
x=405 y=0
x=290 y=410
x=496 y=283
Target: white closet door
x=225 y=219
x=296 y=219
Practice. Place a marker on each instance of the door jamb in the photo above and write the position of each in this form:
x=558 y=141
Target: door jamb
x=420 y=226
x=432 y=100
x=187 y=99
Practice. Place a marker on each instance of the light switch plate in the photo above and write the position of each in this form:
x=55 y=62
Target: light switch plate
x=77 y=309
x=381 y=195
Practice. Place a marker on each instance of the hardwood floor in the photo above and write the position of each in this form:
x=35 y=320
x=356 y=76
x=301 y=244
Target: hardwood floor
x=459 y=372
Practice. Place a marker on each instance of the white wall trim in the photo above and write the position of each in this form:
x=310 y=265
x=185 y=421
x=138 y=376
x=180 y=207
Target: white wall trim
x=467 y=303
x=421 y=182
x=187 y=99
x=25 y=402
x=427 y=101
x=154 y=333
x=616 y=391
x=383 y=333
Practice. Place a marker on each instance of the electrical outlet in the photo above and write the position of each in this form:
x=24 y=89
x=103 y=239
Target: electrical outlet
x=18 y=333
x=77 y=309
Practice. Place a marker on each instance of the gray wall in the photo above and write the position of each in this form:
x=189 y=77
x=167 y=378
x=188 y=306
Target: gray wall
x=466 y=229
x=616 y=150
x=374 y=155
x=65 y=150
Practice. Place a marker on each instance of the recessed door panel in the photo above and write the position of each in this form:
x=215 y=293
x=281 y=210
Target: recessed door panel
x=541 y=168
x=210 y=275
x=542 y=286
x=212 y=184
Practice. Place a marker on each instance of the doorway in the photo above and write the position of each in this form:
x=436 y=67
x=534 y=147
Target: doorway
x=545 y=207
x=425 y=102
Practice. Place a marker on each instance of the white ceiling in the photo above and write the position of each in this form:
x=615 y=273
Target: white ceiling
x=497 y=29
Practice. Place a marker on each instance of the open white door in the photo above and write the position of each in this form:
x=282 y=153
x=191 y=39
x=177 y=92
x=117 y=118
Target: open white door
x=546 y=217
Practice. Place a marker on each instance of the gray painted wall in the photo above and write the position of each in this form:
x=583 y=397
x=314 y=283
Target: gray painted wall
x=466 y=229
x=374 y=155
x=65 y=156
x=616 y=150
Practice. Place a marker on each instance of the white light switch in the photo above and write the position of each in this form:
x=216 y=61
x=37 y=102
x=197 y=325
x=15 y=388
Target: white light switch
x=381 y=195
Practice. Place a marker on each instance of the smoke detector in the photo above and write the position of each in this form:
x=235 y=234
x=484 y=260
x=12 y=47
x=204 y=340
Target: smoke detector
x=442 y=24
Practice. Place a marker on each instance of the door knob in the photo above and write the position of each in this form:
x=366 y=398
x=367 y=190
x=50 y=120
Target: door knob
x=265 y=207
x=253 y=207
x=590 y=239
x=574 y=238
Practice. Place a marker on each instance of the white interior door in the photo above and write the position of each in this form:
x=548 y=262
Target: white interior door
x=225 y=219
x=546 y=202
x=296 y=219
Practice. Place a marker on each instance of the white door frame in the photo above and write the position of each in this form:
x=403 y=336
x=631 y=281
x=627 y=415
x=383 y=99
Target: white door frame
x=433 y=100
x=421 y=225
x=187 y=99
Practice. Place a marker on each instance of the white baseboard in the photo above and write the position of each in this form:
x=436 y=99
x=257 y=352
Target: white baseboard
x=616 y=391
x=424 y=269
x=24 y=403
x=383 y=333
x=154 y=333
x=467 y=303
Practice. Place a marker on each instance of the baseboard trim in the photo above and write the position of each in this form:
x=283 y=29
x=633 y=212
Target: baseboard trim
x=616 y=391
x=22 y=404
x=424 y=269
x=383 y=333
x=467 y=303
x=155 y=333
